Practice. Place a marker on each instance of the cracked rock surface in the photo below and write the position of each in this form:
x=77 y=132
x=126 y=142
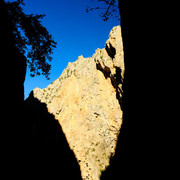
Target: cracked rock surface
x=85 y=100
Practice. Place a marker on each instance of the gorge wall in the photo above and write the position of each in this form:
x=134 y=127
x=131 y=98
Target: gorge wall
x=86 y=102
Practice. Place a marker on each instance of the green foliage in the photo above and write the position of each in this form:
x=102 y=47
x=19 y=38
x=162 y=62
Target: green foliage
x=102 y=170
x=31 y=37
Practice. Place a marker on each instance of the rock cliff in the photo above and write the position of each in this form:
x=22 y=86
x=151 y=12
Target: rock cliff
x=86 y=101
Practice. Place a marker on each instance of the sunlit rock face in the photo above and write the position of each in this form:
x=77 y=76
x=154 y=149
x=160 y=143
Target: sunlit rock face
x=86 y=101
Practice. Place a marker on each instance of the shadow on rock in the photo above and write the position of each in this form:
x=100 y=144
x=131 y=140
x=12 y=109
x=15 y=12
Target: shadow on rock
x=49 y=152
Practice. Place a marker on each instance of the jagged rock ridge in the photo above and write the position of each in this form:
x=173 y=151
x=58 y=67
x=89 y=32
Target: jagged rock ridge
x=86 y=101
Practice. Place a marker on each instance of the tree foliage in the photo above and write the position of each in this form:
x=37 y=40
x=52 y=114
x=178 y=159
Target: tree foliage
x=31 y=38
x=107 y=8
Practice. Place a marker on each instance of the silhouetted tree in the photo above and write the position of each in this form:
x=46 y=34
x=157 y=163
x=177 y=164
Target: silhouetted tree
x=31 y=38
x=107 y=9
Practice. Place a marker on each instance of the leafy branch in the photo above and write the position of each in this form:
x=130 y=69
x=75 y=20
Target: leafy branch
x=31 y=37
x=108 y=9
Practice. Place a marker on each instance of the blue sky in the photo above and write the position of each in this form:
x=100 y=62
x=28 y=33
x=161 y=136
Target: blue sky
x=75 y=31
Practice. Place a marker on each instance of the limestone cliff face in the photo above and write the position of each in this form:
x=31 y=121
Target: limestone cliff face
x=86 y=101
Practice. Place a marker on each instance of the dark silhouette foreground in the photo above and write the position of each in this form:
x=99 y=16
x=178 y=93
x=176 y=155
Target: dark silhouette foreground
x=32 y=142
x=50 y=151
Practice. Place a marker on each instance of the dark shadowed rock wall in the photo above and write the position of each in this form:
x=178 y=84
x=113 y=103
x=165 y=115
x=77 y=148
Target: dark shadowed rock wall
x=32 y=142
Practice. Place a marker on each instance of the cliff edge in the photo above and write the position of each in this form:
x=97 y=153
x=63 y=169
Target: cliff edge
x=86 y=101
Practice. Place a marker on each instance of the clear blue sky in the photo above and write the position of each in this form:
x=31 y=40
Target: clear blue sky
x=75 y=31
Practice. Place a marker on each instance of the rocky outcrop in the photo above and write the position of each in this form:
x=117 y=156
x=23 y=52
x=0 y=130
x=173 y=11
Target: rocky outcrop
x=86 y=101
